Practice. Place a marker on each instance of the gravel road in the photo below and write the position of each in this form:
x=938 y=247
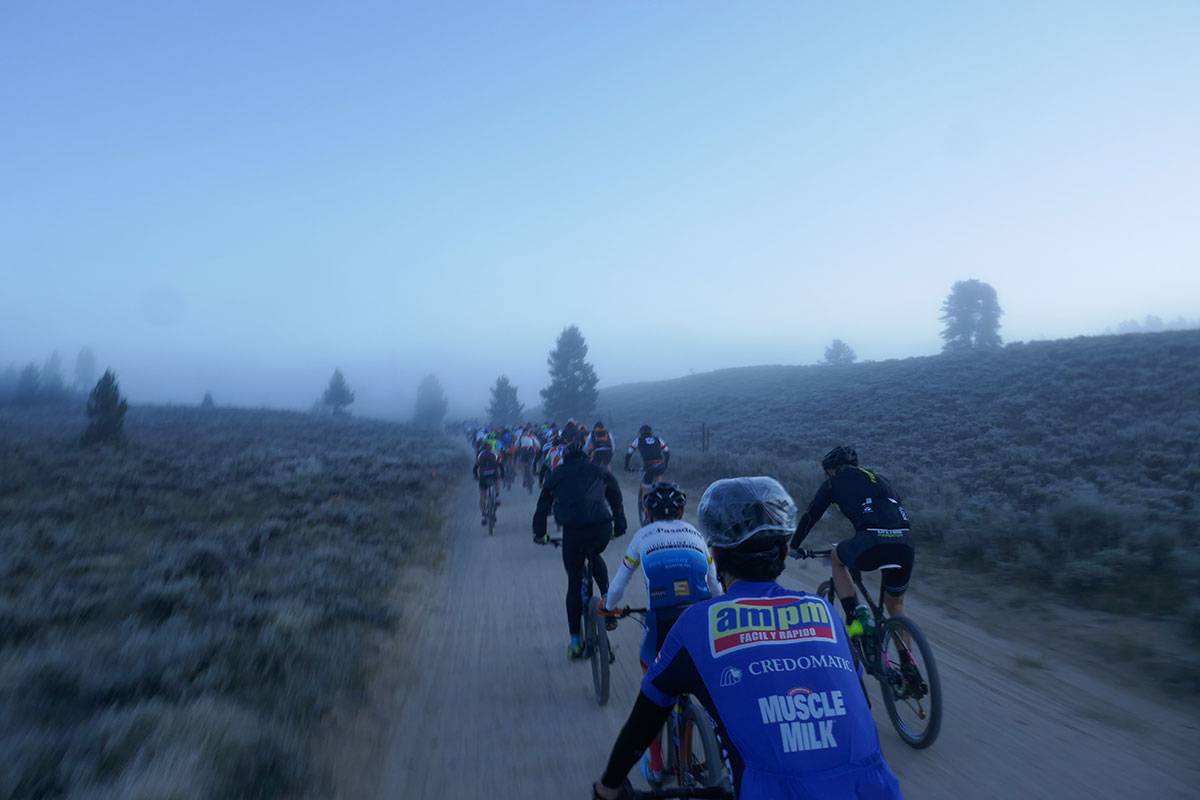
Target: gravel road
x=482 y=703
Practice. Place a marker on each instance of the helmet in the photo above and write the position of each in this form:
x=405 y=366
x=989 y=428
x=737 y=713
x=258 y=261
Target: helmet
x=735 y=510
x=598 y=426
x=840 y=456
x=664 y=499
x=574 y=447
x=644 y=430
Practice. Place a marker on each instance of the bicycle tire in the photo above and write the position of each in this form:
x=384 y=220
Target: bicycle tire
x=825 y=590
x=696 y=722
x=893 y=626
x=491 y=506
x=600 y=652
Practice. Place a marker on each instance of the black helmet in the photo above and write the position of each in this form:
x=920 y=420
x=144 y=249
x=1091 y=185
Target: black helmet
x=644 y=430
x=599 y=426
x=734 y=510
x=665 y=499
x=840 y=456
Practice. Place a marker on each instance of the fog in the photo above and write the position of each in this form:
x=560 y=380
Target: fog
x=239 y=200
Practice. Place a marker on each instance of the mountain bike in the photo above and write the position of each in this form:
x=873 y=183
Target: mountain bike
x=489 y=512
x=527 y=474
x=507 y=473
x=596 y=647
x=898 y=655
x=691 y=754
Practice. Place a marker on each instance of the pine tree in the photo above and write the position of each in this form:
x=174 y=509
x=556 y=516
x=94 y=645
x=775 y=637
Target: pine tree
x=207 y=401
x=106 y=411
x=85 y=369
x=54 y=388
x=572 y=390
x=971 y=315
x=431 y=402
x=337 y=395
x=504 y=410
x=29 y=386
x=839 y=352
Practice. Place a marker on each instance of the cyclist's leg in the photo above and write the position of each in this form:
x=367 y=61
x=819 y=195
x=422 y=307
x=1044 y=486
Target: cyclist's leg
x=599 y=537
x=483 y=487
x=845 y=558
x=574 y=551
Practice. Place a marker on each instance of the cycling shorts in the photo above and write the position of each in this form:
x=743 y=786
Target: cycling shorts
x=869 y=549
x=652 y=472
x=487 y=480
x=602 y=457
x=658 y=625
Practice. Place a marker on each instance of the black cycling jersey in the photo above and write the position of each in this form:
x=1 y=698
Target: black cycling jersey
x=650 y=448
x=865 y=497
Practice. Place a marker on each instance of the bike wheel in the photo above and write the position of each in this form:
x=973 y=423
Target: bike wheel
x=826 y=591
x=492 y=511
x=701 y=762
x=913 y=697
x=600 y=651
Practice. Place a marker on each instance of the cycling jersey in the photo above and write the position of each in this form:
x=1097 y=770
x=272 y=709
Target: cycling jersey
x=678 y=570
x=652 y=449
x=599 y=440
x=865 y=497
x=773 y=669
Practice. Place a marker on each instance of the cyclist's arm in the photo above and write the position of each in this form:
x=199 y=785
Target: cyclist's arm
x=816 y=510
x=645 y=721
x=673 y=673
x=629 y=565
x=612 y=493
x=544 y=504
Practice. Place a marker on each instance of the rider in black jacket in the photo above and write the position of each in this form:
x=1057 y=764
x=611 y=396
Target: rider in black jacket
x=882 y=532
x=587 y=504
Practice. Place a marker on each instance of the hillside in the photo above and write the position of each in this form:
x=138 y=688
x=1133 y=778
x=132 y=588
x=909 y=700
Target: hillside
x=177 y=615
x=1075 y=462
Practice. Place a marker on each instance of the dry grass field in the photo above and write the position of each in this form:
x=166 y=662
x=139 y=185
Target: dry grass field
x=178 y=614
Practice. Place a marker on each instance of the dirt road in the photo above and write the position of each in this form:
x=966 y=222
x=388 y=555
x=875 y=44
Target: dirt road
x=485 y=705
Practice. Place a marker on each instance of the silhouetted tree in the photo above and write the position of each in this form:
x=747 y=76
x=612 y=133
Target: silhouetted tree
x=504 y=409
x=839 y=352
x=29 y=386
x=572 y=390
x=106 y=411
x=8 y=383
x=431 y=402
x=338 y=395
x=971 y=315
x=85 y=369
x=54 y=388
x=207 y=402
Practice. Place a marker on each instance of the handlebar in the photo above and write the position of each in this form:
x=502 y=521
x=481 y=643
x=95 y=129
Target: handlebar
x=685 y=793
x=801 y=553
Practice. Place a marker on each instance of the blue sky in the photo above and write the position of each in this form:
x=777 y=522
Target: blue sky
x=239 y=197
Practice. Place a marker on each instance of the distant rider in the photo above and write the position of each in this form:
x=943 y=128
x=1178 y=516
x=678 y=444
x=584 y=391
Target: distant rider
x=599 y=445
x=771 y=666
x=881 y=528
x=679 y=571
x=587 y=504
x=487 y=471
x=655 y=455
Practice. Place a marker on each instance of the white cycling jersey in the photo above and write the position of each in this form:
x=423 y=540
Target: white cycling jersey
x=675 y=562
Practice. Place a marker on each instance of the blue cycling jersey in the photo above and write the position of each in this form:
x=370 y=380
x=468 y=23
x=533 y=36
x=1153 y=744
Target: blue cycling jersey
x=774 y=671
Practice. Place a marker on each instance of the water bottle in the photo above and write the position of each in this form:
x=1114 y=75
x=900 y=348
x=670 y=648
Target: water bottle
x=865 y=621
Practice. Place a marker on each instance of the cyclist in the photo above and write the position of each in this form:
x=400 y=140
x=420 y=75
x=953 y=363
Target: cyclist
x=527 y=449
x=678 y=570
x=771 y=666
x=599 y=445
x=587 y=504
x=881 y=529
x=487 y=471
x=655 y=455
